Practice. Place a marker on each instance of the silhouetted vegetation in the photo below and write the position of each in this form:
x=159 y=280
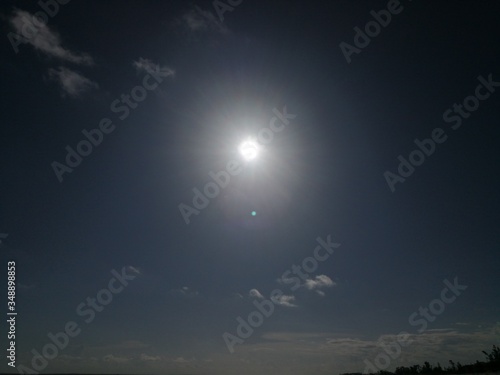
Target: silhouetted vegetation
x=491 y=365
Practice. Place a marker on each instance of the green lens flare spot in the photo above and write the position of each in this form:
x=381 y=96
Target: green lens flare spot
x=254 y=213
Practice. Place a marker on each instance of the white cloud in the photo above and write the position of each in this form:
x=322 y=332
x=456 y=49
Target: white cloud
x=45 y=40
x=320 y=281
x=424 y=346
x=254 y=293
x=72 y=83
x=285 y=300
x=146 y=65
x=149 y=358
x=332 y=352
x=322 y=352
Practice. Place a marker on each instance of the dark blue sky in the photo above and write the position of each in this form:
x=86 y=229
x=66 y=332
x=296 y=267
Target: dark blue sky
x=203 y=85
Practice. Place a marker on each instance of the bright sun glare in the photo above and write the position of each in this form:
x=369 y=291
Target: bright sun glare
x=249 y=150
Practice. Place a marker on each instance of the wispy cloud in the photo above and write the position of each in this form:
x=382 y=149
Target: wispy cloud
x=147 y=66
x=197 y=20
x=72 y=83
x=254 y=293
x=285 y=300
x=320 y=281
x=312 y=352
x=315 y=284
x=149 y=358
x=318 y=352
x=45 y=40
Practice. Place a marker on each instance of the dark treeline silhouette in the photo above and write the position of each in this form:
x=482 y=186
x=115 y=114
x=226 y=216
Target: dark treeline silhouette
x=491 y=365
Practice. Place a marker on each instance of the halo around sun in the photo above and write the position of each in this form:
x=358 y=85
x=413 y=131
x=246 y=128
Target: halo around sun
x=249 y=150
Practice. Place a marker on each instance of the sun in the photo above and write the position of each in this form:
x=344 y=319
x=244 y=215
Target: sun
x=249 y=150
